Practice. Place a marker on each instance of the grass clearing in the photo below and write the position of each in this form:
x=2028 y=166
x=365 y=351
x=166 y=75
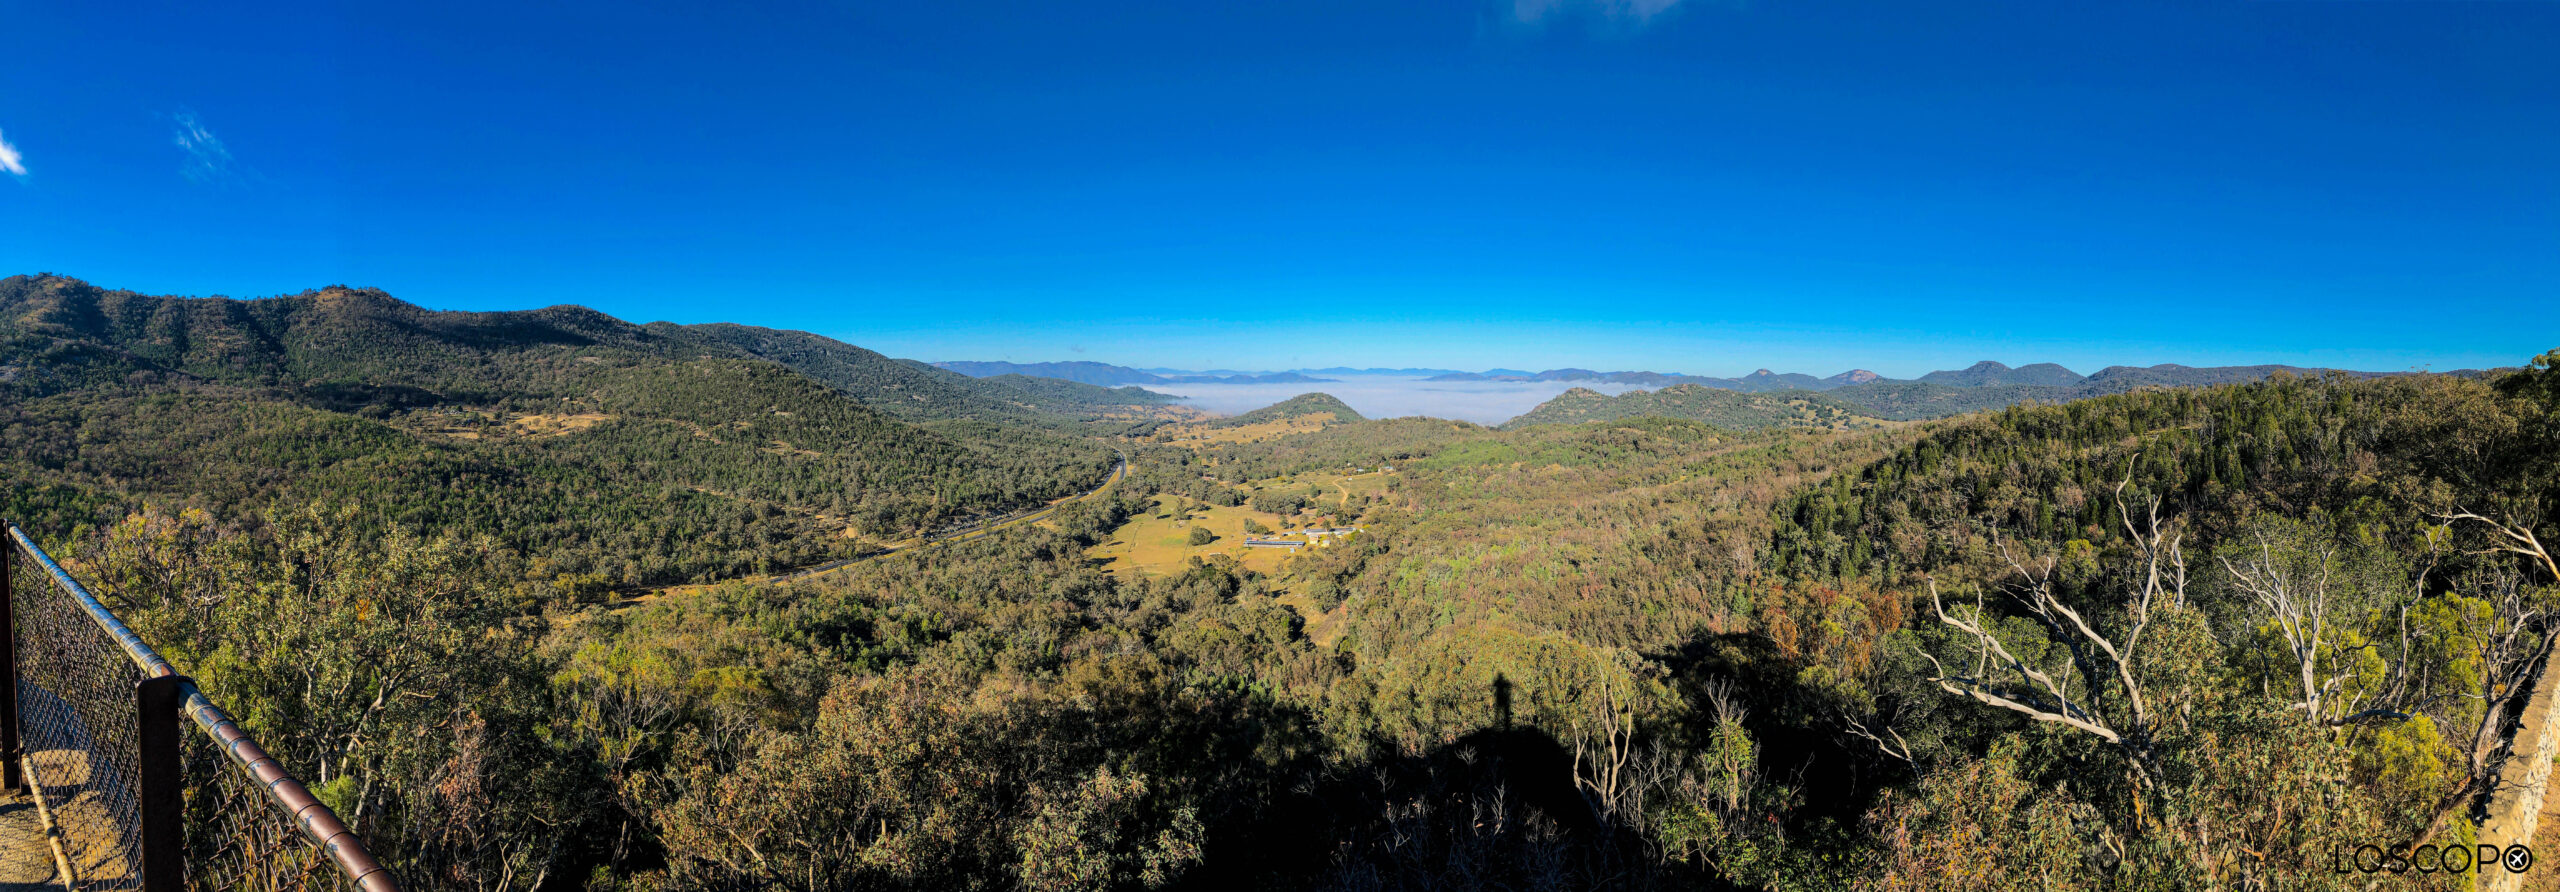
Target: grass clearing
x=1339 y=488
x=1198 y=435
x=543 y=426
x=1161 y=546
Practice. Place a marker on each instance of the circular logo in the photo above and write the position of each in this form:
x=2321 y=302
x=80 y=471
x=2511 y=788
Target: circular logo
x=2518 y=858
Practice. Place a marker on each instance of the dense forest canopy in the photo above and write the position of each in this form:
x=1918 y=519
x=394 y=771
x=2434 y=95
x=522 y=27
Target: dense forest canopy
x=2174 y=637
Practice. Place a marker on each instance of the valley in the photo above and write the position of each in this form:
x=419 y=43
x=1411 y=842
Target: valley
x=740 y=604
x=1511 y=445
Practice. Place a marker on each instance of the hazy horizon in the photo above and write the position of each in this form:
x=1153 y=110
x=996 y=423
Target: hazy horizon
x=1746 y=369
x=1392 y=396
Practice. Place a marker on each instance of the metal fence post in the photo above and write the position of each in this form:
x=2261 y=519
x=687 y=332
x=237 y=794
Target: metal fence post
x=161 y=796
x=9 y=779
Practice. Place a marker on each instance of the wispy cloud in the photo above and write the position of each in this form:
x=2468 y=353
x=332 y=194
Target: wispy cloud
x=208 y=161
x=1614 y=12
x=10 y=160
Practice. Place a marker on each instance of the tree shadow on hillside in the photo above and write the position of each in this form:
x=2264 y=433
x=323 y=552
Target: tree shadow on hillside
x=1496 y=808
x=1835 y=776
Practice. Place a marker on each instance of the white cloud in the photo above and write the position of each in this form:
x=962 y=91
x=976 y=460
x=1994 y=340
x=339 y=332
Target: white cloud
x=1636 y=12
x=207 y=160
x=10 y=160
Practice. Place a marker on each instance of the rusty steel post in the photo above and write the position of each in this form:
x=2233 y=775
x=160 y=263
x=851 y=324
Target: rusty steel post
x=9 y=779
x=162 y=799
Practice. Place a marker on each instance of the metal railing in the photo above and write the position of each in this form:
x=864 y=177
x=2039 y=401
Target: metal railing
x=91 y=730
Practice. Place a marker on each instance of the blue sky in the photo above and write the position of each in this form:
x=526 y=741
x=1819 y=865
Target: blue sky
x=1675 y=185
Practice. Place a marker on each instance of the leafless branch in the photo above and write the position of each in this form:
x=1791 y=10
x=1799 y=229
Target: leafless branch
x=2047 y=702
x=2512 y=538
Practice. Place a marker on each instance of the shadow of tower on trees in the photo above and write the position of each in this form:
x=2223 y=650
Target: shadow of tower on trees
x=1495 y=808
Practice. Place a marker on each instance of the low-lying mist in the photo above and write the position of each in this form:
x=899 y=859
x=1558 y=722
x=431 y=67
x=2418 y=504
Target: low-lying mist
x=1391 y=396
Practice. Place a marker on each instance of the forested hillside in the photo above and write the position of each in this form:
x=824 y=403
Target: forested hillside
x=612 y=455
x=1295 y=407
x=922 y=393
x=1059 y=395
x=1728 y=409
x=1983 y=386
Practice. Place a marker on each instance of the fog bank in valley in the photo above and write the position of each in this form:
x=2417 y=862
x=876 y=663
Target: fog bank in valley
x=1391 y=396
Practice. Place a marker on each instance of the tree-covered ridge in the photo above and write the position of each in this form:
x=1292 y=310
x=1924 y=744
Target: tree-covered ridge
x=1728 y=409
x=1922 y=400
x=1989 y=385
x=336 y=336
x=909 y=390
x=619 y=454
x=2039 y=471
x=922 y=393
x=1060 y=395
x=1294 y=407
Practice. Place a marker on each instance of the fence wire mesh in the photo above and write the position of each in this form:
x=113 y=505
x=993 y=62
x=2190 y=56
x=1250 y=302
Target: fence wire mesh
x=76 y=726
x=236 y=836
x=247 y=824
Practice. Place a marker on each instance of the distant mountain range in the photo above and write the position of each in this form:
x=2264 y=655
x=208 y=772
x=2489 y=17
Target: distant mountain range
x=1866 y=394
x=1981 y=374
x=1107 y=375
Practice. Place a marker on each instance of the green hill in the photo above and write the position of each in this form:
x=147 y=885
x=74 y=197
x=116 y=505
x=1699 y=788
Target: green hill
x=1728 y=409
x=1916 y=400
x=640 y=453
x=924 y=393
x=1989 y=385
x=1302 y=404
x=1064 y=396
x=909 y=390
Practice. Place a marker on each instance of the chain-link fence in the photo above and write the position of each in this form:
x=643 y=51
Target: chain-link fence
x=76 y=727
x=145 y=780
x=237 y=839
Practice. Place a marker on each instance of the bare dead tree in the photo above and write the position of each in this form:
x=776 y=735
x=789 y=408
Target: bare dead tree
x=1732 y=759
x=1604 y=736
x=2298 y=602
x=2001 y=679
x=2516 y=643
x=1720 y=697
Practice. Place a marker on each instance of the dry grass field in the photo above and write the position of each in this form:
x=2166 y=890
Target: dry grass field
x=1196 y=435
x=1338 y=488
x=1162 y=545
